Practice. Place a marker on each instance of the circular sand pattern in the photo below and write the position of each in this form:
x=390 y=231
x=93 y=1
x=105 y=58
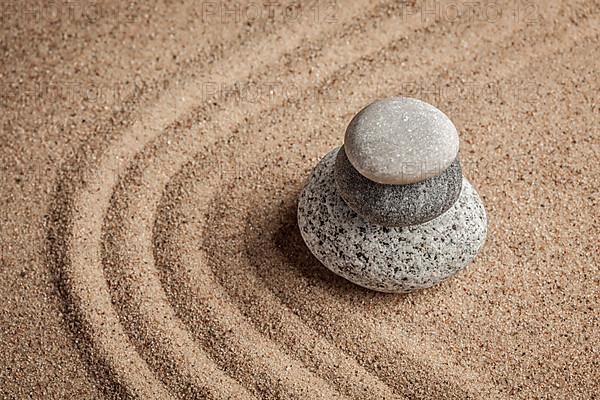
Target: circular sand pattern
x=168 y=305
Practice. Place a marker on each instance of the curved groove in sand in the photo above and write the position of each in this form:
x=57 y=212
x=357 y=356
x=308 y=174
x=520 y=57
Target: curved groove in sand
x=379 y=347
x=132 y=270
x=259 y=284
x=81 y=248
x=331 y=364
x=157 y=174
x=76 y=248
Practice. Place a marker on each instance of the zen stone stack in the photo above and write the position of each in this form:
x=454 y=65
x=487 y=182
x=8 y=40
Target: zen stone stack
x=390 y=210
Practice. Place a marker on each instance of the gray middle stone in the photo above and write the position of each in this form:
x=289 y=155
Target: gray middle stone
x=397 y=205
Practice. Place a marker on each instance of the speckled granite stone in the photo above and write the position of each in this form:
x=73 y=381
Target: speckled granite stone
x=401 y=140
x=397 y=205
x=382 y=258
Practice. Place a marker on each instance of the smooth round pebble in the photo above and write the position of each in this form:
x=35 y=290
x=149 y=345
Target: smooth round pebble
x=397 y=205
x=381 y=258
x=401 y=140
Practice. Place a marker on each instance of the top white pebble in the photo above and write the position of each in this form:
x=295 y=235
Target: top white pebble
x=400 y=140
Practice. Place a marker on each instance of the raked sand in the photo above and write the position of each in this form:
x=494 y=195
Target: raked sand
x=151 y=163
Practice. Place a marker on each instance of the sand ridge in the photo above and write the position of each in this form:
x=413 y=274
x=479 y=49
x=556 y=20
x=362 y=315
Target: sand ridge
x=181 y=271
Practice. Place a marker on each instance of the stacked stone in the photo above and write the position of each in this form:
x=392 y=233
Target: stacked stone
x=390 y=210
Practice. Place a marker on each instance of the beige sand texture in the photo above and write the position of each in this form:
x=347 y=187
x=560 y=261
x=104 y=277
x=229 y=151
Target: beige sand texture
x=151 y=162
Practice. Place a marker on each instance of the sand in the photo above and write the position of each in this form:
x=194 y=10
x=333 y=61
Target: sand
x=151 y=161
